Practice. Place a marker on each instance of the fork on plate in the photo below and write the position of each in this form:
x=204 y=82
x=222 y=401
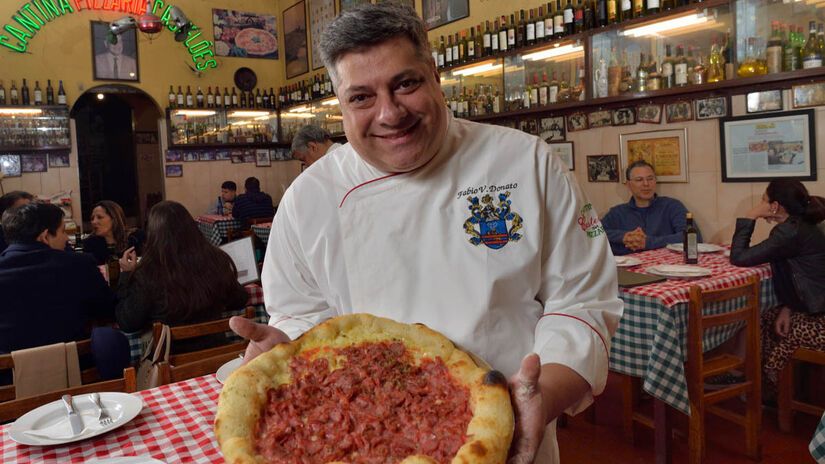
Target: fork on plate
x=103 y=417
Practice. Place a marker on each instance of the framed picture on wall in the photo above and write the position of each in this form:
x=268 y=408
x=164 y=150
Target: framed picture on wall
x=262 y=157
x=295 y=40
x=222 y=155
x=59 y=160
x=806 y=95
x=564 y=150
x=679 y=111
x=576 y=122
x=174 y=170
x=766 y=147
x=529 y=126
x=245 y=35
x=174 y=156
x=552 y=129
x=409 y=3
x=344 y=5
x=766 y=100
x=10 y=165
x=650 y=113
x=440 y=12
x=33 y=163
x=114 y=61
x=599 y=118
x=603 y=168
x=665 y=150
x=207 y=155
x=711 y=108
x=624 y=116
x=321 y=13
x=191 y=155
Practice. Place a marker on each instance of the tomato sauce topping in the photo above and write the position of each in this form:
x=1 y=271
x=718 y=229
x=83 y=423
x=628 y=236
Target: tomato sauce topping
x=377 y=407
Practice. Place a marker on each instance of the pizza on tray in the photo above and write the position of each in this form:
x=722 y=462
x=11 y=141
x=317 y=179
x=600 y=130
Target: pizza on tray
x=364 y=389
x=256 y=41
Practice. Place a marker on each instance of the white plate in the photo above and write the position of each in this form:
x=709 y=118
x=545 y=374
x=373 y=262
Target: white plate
x=228 y=368
x=627 y=261
x=678 y=270
x=702 y=247
x=49 y=424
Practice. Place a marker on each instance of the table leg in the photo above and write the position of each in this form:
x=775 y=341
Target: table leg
x=662 y=433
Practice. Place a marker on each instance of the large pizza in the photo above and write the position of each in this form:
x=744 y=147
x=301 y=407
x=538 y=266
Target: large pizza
x=256 y=41
x=364 y=389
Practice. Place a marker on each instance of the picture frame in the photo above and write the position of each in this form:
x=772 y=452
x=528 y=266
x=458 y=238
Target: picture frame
x=711 y=108
x=766 y=100
x=576 y=122
x=174 y=170
x=114 y=62
x=321 y=13
x=564 y=150
x=222 y=155
x=807 y=95
x=679 y=111
x=650 y=113
x=624 y=116
x=761 y=148
x=295 y=40
x=280 y=154
x=174 y=156
x=552 y=129
x=344 y=5
x=599 y=118
x=437 y=13
x=529 y=126
x=262 y=157
x=665 y=150
x=245 y=35
x=603 y=168
x=237 y=158
x=249 y=157
x=59 y=159
x=207 y=155
x=191 y=155
x=10 y=165
x=34 y=162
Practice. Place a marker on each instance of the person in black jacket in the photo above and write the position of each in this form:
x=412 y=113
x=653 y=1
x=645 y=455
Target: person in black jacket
x=109 y=227
x=253 y=203
x=180 y=279
x=795 y=249
x=10 y=200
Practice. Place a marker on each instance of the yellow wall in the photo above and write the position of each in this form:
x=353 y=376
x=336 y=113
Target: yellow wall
x=62 y=50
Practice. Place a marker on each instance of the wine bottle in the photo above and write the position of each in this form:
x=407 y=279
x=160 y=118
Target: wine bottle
x=652 y=6
x=727 y=55
x=190 y=102
x=487 y=39
x=626 y=10
x=560 y=20
x=680 y=68
x=530 y=30
x=172 y=98
x=61 y=94
x=494 y=46
x=690 y=241
x=38 y=94
x=539 y=25
x=511 y=32
x=179 y=98
x=502 y=35
x=210 y=99
x=543 y=90
x=641 y=74
x=612 y=12
x=218 y=97
x=456 y=50
x=638 y=8
x=13 y=95
x=49 y=92
x=601 y=12
x=716 y=68
x=589 y=9
x=273 y=101
x=463 y=47
x=811 y=56
x=24 y=89
x=478 y=45
x=521 y=31
x=259 y=100
x=442 y=52
x=199 y=97
x=2 y=94
x=773 y=51
x=578 y=17
x=553 y=90
x=234 y=98
x=243 y=101
x=549 y=29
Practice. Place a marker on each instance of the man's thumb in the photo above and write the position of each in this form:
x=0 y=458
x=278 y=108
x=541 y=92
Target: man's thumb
x=247 y=329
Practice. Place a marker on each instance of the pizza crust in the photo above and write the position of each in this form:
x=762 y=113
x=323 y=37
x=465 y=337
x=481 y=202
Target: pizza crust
x=245 y=392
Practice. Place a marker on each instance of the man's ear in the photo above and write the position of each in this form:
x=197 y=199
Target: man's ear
x=42 y=238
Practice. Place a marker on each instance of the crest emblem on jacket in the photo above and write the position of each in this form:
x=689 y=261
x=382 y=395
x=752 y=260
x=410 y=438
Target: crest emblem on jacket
x=490 y=224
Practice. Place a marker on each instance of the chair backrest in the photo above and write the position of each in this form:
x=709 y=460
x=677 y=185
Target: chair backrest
x=89 y=375
x=184 y=332
x=170 y=373
x=258 y=220
x=747 y=313
x=11 y=410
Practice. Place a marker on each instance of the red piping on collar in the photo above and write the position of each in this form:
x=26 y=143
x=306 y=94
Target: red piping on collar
x=365 y=183
x=607 y=353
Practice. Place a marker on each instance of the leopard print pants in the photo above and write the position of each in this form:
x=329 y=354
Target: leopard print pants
x=807 y=331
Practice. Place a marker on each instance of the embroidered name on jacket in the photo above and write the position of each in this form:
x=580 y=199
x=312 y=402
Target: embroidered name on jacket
x=497 y=225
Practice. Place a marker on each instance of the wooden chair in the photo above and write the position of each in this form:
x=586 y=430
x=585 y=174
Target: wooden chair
x=699 y=368
x=170 y=373
x=235 y=234
x=184 y=332
x=787 y=404
x=261 y=220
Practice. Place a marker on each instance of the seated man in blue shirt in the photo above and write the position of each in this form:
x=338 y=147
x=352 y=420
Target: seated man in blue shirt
x=253 y=203
x=647 y=221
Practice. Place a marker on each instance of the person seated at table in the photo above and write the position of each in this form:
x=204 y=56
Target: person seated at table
x=795 y=249
x=253 y=203
x=648 y=221
x=10 y=200
x=223 y=205
x=180 y=279
x=109 y=227
x=311 y=143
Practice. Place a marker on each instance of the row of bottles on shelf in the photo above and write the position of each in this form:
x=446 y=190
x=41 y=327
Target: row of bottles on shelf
x=250 y=99
x=786 y=50
x=318 y=86
x=533 y=94
x=23 y=96
x=541 y=25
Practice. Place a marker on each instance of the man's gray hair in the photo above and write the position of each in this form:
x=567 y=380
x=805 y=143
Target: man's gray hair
x=308 y=134
x=368 y=25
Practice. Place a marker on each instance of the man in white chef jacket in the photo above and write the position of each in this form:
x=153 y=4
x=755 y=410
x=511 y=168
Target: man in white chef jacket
x=475 y=230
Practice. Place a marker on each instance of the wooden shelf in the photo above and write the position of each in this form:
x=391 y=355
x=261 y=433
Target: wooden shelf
x=9 y=149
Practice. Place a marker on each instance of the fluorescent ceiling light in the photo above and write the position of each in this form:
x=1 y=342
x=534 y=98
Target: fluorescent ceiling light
x=195 y=112
x=331 y=101
x=248 y=114
x=297 y=115
x=554 y=52
x=20 y=111
x=477 y=69
x=300 y=109
x=669 y=25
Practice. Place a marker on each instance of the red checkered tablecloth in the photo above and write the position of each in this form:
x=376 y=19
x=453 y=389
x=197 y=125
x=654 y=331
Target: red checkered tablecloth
x=211 y=218
x=174 y=426
x=674 y=291
x=256 y=294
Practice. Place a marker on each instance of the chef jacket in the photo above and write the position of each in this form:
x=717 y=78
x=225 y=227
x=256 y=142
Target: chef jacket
x=491 y=243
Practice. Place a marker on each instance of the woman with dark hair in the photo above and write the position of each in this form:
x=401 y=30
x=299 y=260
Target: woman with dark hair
x=109 y=227
x=795 y=249
x=180 y=279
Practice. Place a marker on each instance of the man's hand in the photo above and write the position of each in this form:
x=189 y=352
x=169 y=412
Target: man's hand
x=129 y=260
x=635 y=239
x=530 y=412
x=262 y=337
x=782 y=326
